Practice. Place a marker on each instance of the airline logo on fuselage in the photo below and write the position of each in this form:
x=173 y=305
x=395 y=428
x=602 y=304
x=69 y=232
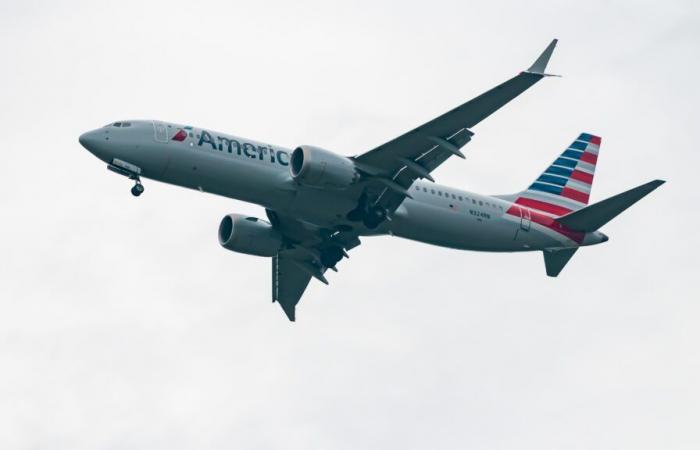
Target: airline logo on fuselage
x=226 y=144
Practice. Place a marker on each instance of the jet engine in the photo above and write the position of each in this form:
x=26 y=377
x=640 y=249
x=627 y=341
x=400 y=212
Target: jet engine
x=249 y=235
x=316 y=167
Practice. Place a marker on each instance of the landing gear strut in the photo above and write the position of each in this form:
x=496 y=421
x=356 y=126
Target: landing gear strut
x=374 y=217
x=131 y=174
x=370 y=215
x=137 y=189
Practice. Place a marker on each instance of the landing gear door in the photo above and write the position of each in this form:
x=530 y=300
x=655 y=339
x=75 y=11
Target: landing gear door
x=160 y=132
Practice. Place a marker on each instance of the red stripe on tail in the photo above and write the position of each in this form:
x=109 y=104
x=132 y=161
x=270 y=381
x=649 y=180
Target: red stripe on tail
x=575 y=195
x=543 y=206
x=582 y=176
x=589 y=158
x=549 y=222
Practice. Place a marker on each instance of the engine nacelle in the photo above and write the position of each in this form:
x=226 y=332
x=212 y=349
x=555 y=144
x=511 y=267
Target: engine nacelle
x=316 y=167
x=249 y=235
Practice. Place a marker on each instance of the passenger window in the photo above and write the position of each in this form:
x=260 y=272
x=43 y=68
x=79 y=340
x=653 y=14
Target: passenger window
x=440 y=193
x=474 y=201
x=454 y=197
x=432 y=191
x=481 y=203
x=425 y=189
x=460 y=198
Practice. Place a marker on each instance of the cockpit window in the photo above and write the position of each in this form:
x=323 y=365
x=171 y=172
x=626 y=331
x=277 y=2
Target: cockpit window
x=120 y=124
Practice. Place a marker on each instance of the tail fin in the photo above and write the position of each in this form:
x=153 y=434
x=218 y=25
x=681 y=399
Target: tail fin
x=595 y=216
x=566 y=184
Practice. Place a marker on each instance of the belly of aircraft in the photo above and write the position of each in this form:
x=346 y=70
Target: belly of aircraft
x=326 y=207
x=461 y=228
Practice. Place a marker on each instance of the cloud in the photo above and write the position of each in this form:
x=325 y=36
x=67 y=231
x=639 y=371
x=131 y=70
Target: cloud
x=124 y=324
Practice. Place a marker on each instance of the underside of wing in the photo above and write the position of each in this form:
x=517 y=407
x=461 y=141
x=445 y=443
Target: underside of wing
x=308 y=253
x=289 y=282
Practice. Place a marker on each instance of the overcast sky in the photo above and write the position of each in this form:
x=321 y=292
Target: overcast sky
x=124 y=324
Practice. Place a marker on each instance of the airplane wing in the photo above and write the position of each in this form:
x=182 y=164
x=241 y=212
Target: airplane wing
x=309 y=252
x=394 y=165
x=289 y=282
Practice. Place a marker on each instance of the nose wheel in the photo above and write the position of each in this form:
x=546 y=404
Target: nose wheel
x=137 y=189
x=132 y=175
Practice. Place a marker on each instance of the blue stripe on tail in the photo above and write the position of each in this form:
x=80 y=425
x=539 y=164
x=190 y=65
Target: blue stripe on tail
x=553 y=179
x=558 y=176
x=546 y=188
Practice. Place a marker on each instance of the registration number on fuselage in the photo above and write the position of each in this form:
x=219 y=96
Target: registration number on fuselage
x=479 y=214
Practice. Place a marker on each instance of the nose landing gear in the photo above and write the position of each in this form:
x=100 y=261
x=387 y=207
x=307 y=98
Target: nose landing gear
x=137 y=189
x=131 y=172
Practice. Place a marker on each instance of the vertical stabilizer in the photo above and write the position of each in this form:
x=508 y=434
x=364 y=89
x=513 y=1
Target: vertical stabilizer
x=566 y=184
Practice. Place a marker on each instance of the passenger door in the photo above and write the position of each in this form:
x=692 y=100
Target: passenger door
x=160 y=132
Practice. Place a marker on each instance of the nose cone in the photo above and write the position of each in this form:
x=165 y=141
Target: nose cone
x=603 y=237
x=88 y=140
x=93 y=142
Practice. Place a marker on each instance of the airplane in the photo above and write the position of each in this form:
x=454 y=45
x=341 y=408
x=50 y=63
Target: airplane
x=319 y=203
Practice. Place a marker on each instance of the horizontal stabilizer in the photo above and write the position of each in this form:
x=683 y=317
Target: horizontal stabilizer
x=595 y=216
x=555 y=260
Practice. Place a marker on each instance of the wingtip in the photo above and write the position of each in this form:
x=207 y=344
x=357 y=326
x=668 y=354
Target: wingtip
x=289 y=311
x=655 y=183
x=291 y=314
x=540 y=64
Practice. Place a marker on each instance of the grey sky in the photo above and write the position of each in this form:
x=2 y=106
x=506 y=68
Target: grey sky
x=123 y=324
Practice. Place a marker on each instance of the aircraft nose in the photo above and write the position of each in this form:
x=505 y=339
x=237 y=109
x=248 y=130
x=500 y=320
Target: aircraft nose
x=604 y=237
x=88 y=140
x=94 y=142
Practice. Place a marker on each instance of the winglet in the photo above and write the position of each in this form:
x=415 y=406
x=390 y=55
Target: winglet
x=540 y=64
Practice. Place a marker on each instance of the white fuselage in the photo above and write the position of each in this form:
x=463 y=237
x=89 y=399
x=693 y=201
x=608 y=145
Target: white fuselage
x=259 y=173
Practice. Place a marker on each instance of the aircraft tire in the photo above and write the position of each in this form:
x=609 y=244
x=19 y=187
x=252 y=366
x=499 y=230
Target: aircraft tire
x=137 y=190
